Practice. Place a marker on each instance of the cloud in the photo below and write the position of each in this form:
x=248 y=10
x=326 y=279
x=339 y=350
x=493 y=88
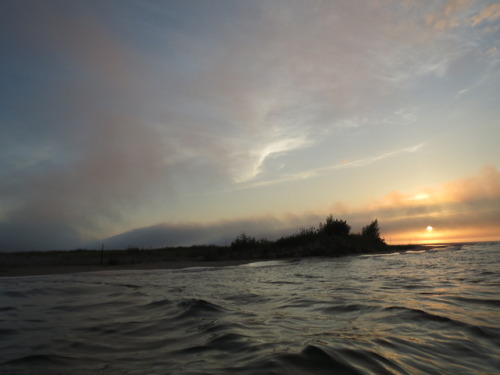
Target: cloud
x=460 y=13
x=484 y=186
x=493 y=51
x=487 y=14
x=450 y=16
x=461 y=92
x=315 y=172
x=373 y=159
x=78 y=155
x=297 y=72
x=279 y=146
x=218 y=233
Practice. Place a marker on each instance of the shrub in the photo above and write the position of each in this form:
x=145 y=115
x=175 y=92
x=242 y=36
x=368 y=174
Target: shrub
x=335 y=227
x=244 y=242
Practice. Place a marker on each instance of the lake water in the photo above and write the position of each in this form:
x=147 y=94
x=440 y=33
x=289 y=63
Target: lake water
x=432 y=312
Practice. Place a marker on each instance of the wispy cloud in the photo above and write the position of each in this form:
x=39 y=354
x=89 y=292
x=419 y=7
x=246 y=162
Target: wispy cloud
x=258 y=156
x=461 y=92
x=373 y=159
x=487 y=14
x=312 y=173
x=450 y=16
x=464 y=13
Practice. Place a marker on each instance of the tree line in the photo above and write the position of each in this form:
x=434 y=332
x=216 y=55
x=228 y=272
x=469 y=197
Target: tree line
x=332 y=237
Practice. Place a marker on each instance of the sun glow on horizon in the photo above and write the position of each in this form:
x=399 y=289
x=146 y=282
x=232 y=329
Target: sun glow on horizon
x=420 y=197
x=442 y=235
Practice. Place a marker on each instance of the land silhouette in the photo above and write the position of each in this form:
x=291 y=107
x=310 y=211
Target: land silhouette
x=331 y=238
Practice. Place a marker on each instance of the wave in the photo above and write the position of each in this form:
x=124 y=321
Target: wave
x=40 y=360
x=321 y=359
x=197 y=308
x=478 y=301
x=348 y=308
x=413 y=316
x=14 y=294
x=271 y=263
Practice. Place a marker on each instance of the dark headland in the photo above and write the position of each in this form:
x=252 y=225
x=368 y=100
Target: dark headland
x=333 y=238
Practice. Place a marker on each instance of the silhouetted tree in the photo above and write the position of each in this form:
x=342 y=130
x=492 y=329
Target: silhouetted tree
x=244 y=242
x=335 y=227
x=302 y=237
x=372 y=232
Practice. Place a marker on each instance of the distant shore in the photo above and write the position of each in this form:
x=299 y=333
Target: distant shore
x=76 y=261
x=330 y=239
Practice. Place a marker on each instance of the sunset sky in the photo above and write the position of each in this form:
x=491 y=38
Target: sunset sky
x=152 y=123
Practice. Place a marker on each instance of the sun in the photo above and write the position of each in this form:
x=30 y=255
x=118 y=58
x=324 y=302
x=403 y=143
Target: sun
x=429 y=229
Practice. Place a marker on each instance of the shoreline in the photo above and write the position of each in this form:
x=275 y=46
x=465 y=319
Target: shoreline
x=44 y=270
x=61 y=262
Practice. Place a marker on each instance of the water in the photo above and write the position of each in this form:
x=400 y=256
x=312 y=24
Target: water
x=432 y=312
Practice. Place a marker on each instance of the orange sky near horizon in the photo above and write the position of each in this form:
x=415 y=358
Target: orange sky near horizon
x=463 y=210
x=423 y=237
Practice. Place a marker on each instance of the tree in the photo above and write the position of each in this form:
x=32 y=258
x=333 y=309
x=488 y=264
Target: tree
x=244 y=242
x=335 y=227
x=372 y=232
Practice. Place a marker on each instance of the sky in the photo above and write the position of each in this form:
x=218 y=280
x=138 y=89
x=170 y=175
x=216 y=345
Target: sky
x=163 y=123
